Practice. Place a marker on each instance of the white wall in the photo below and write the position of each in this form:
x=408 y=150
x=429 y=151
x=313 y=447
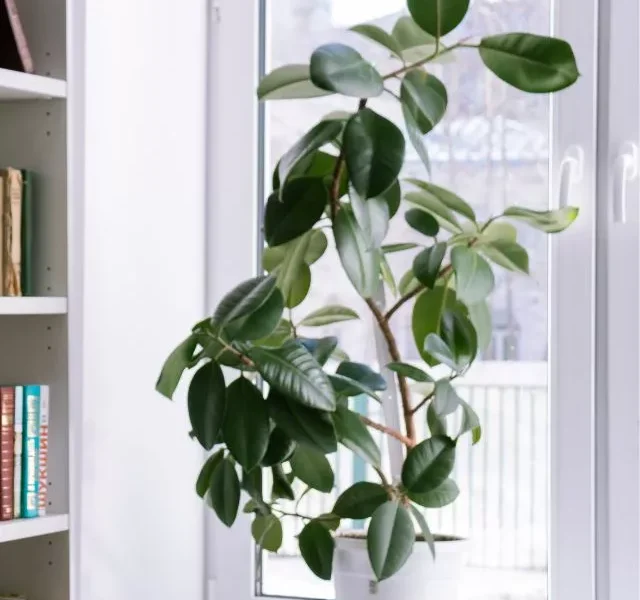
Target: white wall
x=141 y=530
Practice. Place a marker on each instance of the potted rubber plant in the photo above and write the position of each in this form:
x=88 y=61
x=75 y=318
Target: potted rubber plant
x=270 y=402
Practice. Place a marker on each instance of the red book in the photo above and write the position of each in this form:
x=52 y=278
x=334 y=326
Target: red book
x=7 y=400
x=14 y=50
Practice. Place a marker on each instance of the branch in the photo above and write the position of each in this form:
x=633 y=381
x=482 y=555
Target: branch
x=417 y=408
x=297 y=515
x=245 y=359
x=428 y=59
x=388 y=431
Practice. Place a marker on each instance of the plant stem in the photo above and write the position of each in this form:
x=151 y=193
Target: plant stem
x=428 y=59
x=383 y=477
x=388 y=431
x=419 y=406
x=297 y=515
x=245 y=359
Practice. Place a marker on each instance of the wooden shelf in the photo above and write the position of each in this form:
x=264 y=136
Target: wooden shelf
x=41 y=305
x=20 y=529
x=22 y=86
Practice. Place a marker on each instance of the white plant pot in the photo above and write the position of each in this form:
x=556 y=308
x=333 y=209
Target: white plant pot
x=420 y=579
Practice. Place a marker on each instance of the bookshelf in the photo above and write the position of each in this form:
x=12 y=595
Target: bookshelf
x=37 y=333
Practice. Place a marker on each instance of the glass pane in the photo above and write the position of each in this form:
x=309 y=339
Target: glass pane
x=492 y=148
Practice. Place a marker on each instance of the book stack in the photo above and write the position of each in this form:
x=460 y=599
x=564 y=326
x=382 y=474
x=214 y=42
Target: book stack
x=16 y=232
x=24 y=450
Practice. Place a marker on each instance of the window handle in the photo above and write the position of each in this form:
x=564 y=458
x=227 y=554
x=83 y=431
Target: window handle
x=571 y=173
x=625 y=170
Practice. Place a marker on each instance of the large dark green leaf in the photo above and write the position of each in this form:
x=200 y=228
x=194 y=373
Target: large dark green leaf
x=206 y=473
x=314 y=244
x=349 y=388
x=410 y=371
x=312 y=468
x=361 y=264
x=339 y=68
x=304 y=425
x=267 y=532
x=532 y=63
x=260 y=323
x=224 y=493
x=427 y=316
x=244 y=299
x=427 y=264
x=422 y=221
x=353 y=434
x=246 y=423
x=446 y=493
x=425 y=97
x=321 y=349
x=440 y=351
x=424 y=528
x=438 y=17
x=509 y=255
x=282 y=332
x=360 y=501
x=549 y=221
x=252 y=484
x=374 y=151
x=317 y=547
x=428 y=465
x=177 y=363
x=390 y=539
x=441 y=196
x=323 y=133
x=293 y=371
x=280 y=448
x=281 y=487
x=373 y=218
x=288 y=82
x=329 y=315
x=393 y=197
x=206 y=401
x=457 y=332
x=380 y=36
x=302 y=204
x=474 y=276
x=363 y=374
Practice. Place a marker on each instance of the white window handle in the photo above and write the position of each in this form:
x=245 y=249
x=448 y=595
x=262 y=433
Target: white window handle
x=571 y=173
x=625 y=170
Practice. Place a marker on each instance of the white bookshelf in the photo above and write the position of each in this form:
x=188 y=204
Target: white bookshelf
x=37 y=333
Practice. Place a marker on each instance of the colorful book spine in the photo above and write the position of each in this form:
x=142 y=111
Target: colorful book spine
x=17 y=451
x=26 y=237
x=44 y=451
x=7 y=404
x=30 y=451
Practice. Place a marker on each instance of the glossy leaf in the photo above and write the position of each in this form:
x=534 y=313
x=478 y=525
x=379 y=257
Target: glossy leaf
x=293 y=371
x=531 y=63
x=279 y=450
x=458 y=333
x=470 y=422
x=282 y=333
x=373 y=218
x=340 y=68
x=442 y=353
x=380 y=36
x=244 y=299
x=374 y=152
x=474 y=276
x=446 y=493
x=289 y=82
x=390 y=539
x=312 y=468
x=353 y=434
x=246 y=423
x=203 y=482
x=252 y=484
x=437 y=425
x=317 y=548
x=428 y=465
x=410 y=371
x=206 y=401
x=422 y=222
x=281 y=487
x=509 y=255
x=349 y=388
x=259 y=324
x=424 y=529
x=427 y=317
x=175 y=365
x=267 y=532
x=446 y=399
x=447 y=198
x=321 y=349
x=480 y=317
x=549 y=221
x=427 y=264
x=314 y=244
x=445 y=217
x=425 y=97
x=438 y=17
x=362 y=374
x=360 y=501
x=329 y=315
x=224 y=493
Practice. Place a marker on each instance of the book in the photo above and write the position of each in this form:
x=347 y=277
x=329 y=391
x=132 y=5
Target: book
x=11 y=231
x=14 y=49
x=30 y=451
x=26 y=237
x=6 y=453
x=17 y=451
x=43 y=484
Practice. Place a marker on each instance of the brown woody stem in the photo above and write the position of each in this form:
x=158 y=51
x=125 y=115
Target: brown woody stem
x=388 y=431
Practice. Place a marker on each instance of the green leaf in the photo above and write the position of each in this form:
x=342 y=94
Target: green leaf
x=353 y=434
x=446 y=399
x=279 y=450
x=531 y=63
x=416 y=137
x=312 y=467
x=314 y=244
x=498 y=231
x=267 y=532
x=339 y=68
x=246 y=423
x=177 y=363
x=428 y=465
x=387 y=275
x=429 y=203
x=329 y=521
x=360 y=501
x=446 y=493
x=459 y=335
x=206 y=473
x=470 y=422
x=390 y=539
x=422 y=222
x=437 y=17
x=260 y=323
x=293 y=371
x=302 y=204
x=373 y=218
x=474 y=276
x=360 y=264
x=300 y=287
x=425 y=97
x=321 y=349
x=427 y=264
x=244 y=299
x=424 y=528
x=362 y=374
x=437 y=425
x=224 y=493
x=408 y=283
x=549 y=221
x=480 y=317
x=439 y=350
x=416 y=44
x=282 y=332
x=329 y=314
x=446 y=198
x=281 y=487
x=289 y=82
x=391 y=248
x=323 y=133
x=206 y=402
x=427 y=317
x=317 y=547
x=509 y=255
x=380 y=36
x=252 y=484
x=393 y=197
x=374 y=152
x=304 y=425
x=410 y=371
x=349 y=388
